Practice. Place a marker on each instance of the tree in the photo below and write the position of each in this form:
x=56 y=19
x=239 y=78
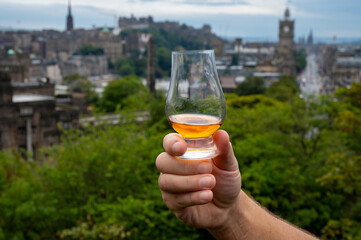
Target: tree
x=117 y=92
x=252 y=85
x=89 y=49
x=301 y=62
x=234 y=59
x=79 y=83
x=300 y=160
x=164 y=60
x=284 y=89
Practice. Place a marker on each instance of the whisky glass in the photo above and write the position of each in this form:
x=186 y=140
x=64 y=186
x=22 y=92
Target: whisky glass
x=195 y=105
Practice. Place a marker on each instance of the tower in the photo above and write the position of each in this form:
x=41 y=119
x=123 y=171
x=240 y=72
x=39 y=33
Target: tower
x=69 y=18
x=310 y=38
x=287 y=61
x=151 y=66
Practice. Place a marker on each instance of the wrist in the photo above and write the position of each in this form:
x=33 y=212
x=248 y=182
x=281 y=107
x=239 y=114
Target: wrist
x=232 y=228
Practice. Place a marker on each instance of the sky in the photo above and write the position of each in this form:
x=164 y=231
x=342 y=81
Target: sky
x=257 y=19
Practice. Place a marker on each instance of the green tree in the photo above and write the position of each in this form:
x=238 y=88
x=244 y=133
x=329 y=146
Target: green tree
x=301 y=60
x=164 y=60
x=234 y=61
x=69 y=79
x=126 y=69
x=118 y=91
x=284 y=89
x=79 y=83
x=89 y=49
x=252 y=85
x=299 y=159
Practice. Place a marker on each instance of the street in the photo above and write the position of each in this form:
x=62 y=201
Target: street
x=309 y=79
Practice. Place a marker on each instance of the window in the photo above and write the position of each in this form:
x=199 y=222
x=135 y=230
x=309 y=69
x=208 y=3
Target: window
x=26 y=111
x=21 y=130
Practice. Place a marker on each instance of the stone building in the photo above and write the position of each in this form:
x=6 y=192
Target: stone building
x=109 y=41
x=85 y=65
x=27 y=121
x=29 y=116
x=341 y=65
x=285 y=53
x=134 y=23
x=17 y=63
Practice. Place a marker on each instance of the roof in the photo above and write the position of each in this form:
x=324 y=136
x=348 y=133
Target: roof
x=228 y=82
x=23 y=98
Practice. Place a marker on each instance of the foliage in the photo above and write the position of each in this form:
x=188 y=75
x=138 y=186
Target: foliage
x=80 y=83
x=128 y=91
x=131 y=65
x=234 y=61
x=299 y=159
x=301 y=60
x=70 y=79
x=284 y=89
x=173 y=38
x=166 y=40
x=252 y=85
x=164 y=61
x=89 y=49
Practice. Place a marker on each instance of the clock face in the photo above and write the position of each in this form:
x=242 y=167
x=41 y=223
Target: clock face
x=286 y=29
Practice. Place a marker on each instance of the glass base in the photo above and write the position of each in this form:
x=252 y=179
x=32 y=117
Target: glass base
x=200 y=148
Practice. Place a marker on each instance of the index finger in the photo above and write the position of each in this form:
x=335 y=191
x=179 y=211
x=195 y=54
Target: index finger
x=174 y=144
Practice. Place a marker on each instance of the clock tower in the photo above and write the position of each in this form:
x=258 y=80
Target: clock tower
x=286 y=56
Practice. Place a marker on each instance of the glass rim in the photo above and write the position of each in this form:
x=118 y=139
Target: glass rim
x=193 y=51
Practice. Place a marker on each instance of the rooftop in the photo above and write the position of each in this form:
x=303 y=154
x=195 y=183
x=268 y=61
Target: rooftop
x=23 y=98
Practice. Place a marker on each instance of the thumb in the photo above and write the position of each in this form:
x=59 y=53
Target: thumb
x=225 y=159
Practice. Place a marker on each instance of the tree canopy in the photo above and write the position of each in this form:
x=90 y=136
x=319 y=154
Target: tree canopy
x=299 y=159
x=89 y=49
x=252 y=85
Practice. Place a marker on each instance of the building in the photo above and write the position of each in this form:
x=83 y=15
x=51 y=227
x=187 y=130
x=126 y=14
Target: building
x=285 y=53
x=17 y=64
x=85 y=66
x=27 y=120
x=340 y=65
x=134 y=23
x=69 y=19
x=30 y=115
x=310 y=38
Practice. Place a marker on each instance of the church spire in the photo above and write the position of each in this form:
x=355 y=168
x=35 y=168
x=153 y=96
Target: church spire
x=69 y=19
x=69 y=8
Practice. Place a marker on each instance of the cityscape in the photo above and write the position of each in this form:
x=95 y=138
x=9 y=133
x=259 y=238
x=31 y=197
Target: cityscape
x=55 y=81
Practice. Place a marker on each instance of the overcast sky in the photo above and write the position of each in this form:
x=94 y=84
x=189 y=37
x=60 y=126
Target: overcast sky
x=232 y=18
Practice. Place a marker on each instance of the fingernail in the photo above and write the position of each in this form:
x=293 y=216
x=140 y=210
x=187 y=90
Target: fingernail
x=204 y=168
x=204 y=196
x=205 y=182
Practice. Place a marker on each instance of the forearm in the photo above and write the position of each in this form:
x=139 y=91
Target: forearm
x=248 y=220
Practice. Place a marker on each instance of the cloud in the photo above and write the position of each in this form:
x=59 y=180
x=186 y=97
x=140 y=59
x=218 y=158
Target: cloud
x=171 y=7
x=256 y=18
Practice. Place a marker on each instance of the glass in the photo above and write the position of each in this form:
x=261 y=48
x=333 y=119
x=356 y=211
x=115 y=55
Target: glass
x=195 y=105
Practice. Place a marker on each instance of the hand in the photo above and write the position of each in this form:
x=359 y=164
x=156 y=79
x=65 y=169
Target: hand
x=202 y=193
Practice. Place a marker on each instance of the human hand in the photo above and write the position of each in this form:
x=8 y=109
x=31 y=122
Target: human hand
x=202 y=193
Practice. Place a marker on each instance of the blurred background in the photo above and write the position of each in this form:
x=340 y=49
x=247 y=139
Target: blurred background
x=82 y=95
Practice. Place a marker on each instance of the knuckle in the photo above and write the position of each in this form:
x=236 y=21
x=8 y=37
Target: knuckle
x=188 y=182
x=188 y=168
x=165 y=199
x=159 y=161
x=162 y=182
x=179 y=200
